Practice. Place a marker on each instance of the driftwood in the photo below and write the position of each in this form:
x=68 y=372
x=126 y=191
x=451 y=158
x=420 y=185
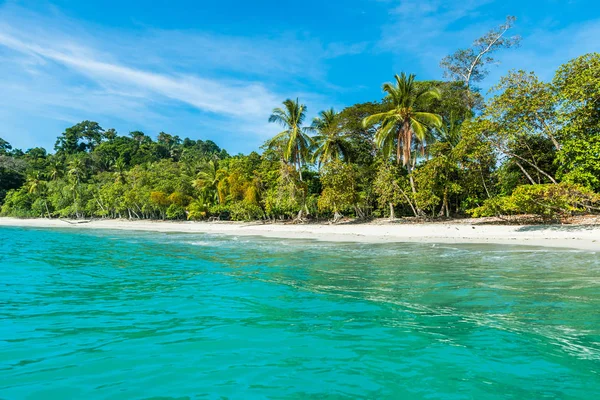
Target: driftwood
x=85 y=221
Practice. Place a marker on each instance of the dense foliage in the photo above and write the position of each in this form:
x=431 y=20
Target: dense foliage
x=427 y=149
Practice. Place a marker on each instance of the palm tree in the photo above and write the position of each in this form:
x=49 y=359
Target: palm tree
x=450 y=132
x=210 y=182
x=120 y=168
x=37 y=186
x=330 y=143
x=294 y=141
x=56 y=170
x=405 y=119
x=76 y=170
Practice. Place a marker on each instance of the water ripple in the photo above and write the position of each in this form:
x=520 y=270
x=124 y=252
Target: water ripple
x=146 y=315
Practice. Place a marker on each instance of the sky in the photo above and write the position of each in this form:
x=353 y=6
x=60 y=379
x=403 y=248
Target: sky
x=215 y=69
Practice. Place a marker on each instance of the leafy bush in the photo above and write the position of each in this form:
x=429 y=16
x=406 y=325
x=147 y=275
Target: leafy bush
x=245 y=211
x=197 y=210
x=220 y=211
x=339 y=187
x=176 y=211
x=549 y=201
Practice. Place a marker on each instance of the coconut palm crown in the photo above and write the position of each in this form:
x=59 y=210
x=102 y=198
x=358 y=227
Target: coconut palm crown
x=330 y=143
x=294 y=141
x=406 y=118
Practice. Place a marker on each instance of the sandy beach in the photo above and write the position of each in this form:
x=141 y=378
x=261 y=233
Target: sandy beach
x=584 y=237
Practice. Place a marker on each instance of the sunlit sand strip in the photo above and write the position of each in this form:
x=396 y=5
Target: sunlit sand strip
x=552 y=236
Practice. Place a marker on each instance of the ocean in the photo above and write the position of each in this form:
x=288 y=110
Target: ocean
x=100 y=314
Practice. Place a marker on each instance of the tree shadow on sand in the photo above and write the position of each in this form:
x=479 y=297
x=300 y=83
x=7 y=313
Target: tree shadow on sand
x=559 y=228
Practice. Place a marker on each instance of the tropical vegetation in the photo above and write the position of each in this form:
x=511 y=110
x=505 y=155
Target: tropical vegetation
x=427 y=149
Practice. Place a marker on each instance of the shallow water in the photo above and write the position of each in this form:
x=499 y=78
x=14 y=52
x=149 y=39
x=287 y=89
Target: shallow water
x=116 y=315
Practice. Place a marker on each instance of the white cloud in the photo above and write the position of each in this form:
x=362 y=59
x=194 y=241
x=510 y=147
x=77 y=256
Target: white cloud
x=231 y=98
x=55 y=69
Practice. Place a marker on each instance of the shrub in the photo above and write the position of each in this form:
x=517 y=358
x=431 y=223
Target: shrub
x=245 y=211
x=176 y=211
x=548 y=201
x=18 y=204
x=197 y=210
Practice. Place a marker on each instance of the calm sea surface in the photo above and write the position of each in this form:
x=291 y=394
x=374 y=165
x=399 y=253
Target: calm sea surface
x=115 y=315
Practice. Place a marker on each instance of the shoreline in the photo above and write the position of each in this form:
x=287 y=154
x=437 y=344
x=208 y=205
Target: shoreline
x=581 y=237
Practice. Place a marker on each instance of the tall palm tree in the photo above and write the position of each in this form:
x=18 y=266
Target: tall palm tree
x=330 y=143
x=406 y=119
x=76 y=171
x=294 y=141
x=120 y=168
x=37 y=186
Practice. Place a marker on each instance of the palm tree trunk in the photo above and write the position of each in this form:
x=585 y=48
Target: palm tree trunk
x=392 y=215
x=298 y=162
x=75 y=204
x=399 y=146
x=47 y=210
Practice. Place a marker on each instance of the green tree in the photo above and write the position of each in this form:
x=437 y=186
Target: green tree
x=339 y=188
x=76 y=171
x=330 y=143
x=84 y=136
x=389 y=188
x=294 y=142
x=210 y=182
x=405 y=121
x=36 y=186
x=520 y=121
x=5 y=147
x=577 y=86
x=470 y=65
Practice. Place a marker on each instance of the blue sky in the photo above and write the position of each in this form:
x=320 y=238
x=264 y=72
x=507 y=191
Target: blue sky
x=215 y=69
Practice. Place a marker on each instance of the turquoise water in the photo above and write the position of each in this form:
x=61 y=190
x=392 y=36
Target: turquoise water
x=114 y=315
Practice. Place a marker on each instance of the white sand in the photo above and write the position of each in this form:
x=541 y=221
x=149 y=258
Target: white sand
x=585 y=237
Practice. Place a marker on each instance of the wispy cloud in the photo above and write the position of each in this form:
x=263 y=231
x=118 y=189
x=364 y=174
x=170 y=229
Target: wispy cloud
x=229 y=98
x=53 y=67
x=421 y=25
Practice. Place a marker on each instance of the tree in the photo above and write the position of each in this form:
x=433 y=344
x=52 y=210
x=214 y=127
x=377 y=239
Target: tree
x=405 y=120
x=12 y=174
x=526 y=106
x=84 y=136
x=470 y=65
x=5 y=147
x=37 y=186
x=577 y=87
x=389 y=189
x=294 y=141
x=579 y=162
x=76 y=172
x=140 y=137
x=521 y=122
x=329 y=143
x=339 y=188
x=55 y=169
x=210 y=182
